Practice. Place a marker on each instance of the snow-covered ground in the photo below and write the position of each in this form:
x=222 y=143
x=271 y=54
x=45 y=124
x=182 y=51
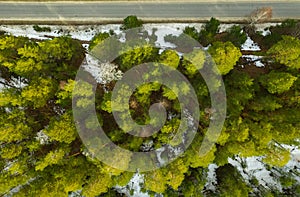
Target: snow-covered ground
x=250 y=45
x=255 y=59
x=86 y=32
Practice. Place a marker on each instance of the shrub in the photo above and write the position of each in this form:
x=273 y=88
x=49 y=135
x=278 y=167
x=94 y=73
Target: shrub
x=41 y=29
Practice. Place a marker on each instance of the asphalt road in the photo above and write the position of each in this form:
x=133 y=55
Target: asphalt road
x=147 y=10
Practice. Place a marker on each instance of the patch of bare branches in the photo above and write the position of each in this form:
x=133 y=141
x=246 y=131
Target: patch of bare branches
x=261 y=15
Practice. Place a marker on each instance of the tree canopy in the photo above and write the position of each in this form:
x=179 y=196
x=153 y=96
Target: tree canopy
x=287 y=52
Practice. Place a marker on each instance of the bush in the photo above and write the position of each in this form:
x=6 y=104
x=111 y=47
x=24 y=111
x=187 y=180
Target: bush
x=97 y=39
x=207 y=35
x=41 y=29
x=277 y=82
x=131 y=22
x=192 y=32
x=236 y=35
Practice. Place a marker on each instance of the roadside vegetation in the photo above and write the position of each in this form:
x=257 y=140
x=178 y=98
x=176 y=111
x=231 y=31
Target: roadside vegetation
x=41 y=29
x=42 y=155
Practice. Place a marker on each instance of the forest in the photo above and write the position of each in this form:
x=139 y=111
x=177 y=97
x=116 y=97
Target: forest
x=43 y=155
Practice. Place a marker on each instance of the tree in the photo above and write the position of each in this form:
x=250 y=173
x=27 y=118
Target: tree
x=97 y=39
x=169 y=58
x=192 y=32
x=286 y=52
x=230 y=182
x=62 y=129
x=39 y=91
x=211 y=28
x=277 y=82
x=240 y=89
x=97 y=185
x=12 y=132
x=193 y=62
x=225 y=56
x=235 y=35
x=134 y=56
x=131 y=22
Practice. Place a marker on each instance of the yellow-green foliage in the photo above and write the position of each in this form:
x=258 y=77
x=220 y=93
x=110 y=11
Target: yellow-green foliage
x=52 y=158
x=11 y=151
x=38 y=92
x=225 y=56
x=286 y=51
x=62 y=129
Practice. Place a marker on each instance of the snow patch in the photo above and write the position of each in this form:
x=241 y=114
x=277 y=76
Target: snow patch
x=147 y=146
x=211 y=177
x=255 y=168
x=259 y=64
x=255 y=59
x=159 y=151
x=224 y=27
x=249 y=45
x=102 y=72
x=42 y=137
x=265 y=32
x=264 y=28
x=134 y=185
x=82 y=32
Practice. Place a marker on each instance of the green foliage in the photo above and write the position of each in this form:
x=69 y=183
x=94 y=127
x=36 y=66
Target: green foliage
x=158 y=180
x=155 y=181
x=52 y=158
x=225 y=56
x=288 y=23
x=207 y=35
x=97 y=39
x=50 y=57
x=41 y=29
x=106 y=103
x=192 y=32
x=265 y=103
x=277 y=82
x=286 y=51
x=237 y=130
x=169 y=93
x=12 y=132
x=10 y=97
x=169 y=58
x=271 y=39
x=62 y=48
x=62 y=129
x=277 y=156
x=38 y=92
x=195 y=187
x=236 y=35
x=137 y=55
x=262 y=133
x=230 y=182
x=193 y=62
x=239 y=90
x=131 y=22
x=97 y=185
x=11 y=151
x=212 y=26
x=195 y=159
x=66 y=91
